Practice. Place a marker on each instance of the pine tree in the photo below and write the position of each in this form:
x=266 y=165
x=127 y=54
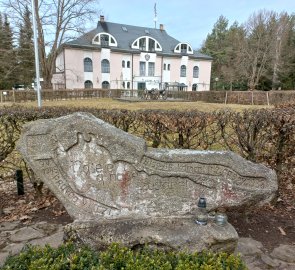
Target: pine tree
x=25 y=53
x=215 y=46
x=8 y=61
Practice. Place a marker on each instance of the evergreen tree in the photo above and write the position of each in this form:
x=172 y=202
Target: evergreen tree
x=8 y=61
x=215 y=46
x=25 y=52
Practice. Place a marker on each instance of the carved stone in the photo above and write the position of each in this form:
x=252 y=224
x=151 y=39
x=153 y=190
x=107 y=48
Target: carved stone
x=105 y=175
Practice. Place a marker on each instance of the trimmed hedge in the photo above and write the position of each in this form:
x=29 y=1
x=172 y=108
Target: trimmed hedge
x=262 y=136
x=116 y=257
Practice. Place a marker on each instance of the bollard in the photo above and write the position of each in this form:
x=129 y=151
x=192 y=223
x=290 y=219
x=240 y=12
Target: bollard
x=19 y=182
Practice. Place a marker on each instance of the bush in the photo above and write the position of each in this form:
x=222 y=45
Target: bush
x=68 y=256
x=262 y=136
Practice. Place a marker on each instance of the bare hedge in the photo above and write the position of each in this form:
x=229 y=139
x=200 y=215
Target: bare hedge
x=264 y=136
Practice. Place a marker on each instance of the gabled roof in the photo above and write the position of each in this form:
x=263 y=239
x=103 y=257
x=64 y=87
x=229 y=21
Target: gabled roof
x=126 y=38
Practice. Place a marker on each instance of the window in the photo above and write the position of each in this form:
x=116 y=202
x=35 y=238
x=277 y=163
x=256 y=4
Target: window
x=123 y=85
x=183 y=48
x=151 y=69
x=146 y=43
x=128 y=64
x=104 y=40
x=128 y=85
x=88 y=84
x=105 y=66
x=142 y=68
x=196 y=72
x=123 y=63
x=88 y=65
x=195 y=87
x=152 y=45
x=105 y=85
x=142 y=44
x=183 y=71
x=168 y=67
x=164 y=66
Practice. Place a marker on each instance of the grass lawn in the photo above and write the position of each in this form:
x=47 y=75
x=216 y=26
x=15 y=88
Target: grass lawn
x=107 y=103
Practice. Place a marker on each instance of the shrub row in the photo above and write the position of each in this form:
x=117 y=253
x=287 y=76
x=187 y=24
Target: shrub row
x=116 y=257
x=264 y=136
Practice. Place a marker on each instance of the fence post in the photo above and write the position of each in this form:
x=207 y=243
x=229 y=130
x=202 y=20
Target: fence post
x=267 y=98
x=252 y=98
x=13 y=95
x=225 y=100
x=19 y=182
x=1 y=96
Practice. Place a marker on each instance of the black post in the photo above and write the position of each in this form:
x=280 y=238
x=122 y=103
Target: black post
x=19 y=182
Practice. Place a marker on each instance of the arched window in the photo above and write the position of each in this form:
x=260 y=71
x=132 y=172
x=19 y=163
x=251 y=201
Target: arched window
x=183 y=71
x=105 y=66
x=128 y=85
x=105 y=40
x=195 y=87
x=88 y=65
x=164 y=66
x=128 y=64
x=123 y=85
x=105 y=85
x=168 y=67
x=123 y=64
x=196 y=72
x=146 y=43
x=88 y=84
x=183 y=48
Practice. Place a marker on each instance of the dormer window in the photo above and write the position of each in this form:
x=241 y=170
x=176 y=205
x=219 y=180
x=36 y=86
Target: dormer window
x=104 y=40
x=142 y=44
x=147 y=44
x=183 y=48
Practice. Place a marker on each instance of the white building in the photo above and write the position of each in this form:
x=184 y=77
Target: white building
x=120 y=56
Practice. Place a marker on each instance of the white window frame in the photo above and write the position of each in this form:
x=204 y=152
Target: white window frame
x=96 y=39
x=135 y=44
x=177 y=48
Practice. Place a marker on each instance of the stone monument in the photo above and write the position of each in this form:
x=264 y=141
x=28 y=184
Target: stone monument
x=118 y=190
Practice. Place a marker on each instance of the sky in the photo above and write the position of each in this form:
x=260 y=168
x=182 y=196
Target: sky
x=187 y=20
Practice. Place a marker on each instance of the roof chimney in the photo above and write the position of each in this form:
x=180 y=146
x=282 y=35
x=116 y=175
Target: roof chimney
x=162 y=27
x=101 y=18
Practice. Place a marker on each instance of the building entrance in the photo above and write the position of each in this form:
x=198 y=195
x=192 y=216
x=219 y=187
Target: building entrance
x=141 y=86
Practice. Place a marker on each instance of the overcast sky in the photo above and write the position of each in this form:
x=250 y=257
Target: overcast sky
x=187 y=20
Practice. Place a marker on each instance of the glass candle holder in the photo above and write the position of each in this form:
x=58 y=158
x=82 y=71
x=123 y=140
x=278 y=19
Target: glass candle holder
x=202 y=215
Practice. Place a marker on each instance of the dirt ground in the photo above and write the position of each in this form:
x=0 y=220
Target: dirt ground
x=272 y=224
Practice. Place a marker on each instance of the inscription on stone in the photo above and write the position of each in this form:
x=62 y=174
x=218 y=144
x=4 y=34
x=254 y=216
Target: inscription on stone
x=100 y=172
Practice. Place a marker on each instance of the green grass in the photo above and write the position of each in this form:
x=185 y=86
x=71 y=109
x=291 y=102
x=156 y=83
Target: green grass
x=106 y=103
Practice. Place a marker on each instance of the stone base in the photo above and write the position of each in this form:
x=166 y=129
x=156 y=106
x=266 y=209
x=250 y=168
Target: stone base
x=165 y=233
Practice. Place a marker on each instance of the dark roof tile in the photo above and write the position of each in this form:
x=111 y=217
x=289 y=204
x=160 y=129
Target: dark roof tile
x=126 y=38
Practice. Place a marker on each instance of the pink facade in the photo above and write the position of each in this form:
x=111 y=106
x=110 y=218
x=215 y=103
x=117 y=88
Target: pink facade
x=79 y=66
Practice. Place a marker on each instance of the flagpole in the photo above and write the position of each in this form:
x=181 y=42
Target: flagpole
x=155 y=18
x=36 y=54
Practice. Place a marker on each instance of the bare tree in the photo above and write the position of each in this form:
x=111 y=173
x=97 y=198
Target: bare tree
x=57 y=21
x=261 y=30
